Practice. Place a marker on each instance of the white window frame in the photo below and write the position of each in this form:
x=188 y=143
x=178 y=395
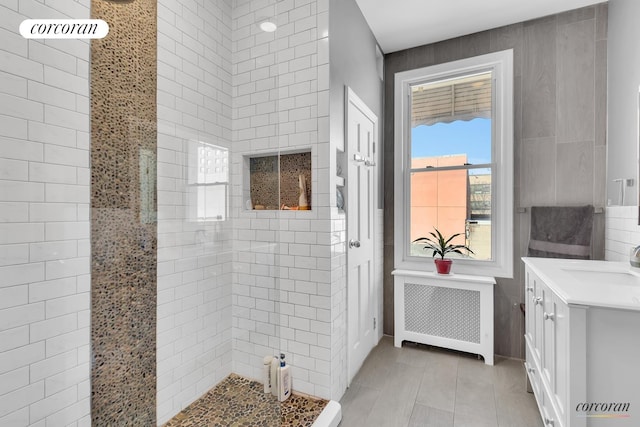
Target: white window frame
x=196 y=182
x=501 y=65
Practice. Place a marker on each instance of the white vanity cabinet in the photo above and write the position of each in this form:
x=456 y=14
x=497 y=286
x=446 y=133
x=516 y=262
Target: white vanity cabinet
x=548 y=322
x=580 y=347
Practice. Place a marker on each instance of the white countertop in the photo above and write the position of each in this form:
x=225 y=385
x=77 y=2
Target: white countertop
x=605 y=284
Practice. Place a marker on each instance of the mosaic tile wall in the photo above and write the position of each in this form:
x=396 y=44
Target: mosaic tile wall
x=263 y=182
x=266 y=178
x=123 y=205
x=291 y=167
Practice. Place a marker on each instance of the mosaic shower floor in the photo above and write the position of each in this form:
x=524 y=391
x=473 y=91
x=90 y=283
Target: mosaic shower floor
x=237 y=401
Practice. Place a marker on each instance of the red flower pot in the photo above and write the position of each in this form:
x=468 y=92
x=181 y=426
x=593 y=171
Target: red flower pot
x=443 y=266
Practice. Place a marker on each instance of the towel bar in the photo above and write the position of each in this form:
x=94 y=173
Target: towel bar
x=596 y=210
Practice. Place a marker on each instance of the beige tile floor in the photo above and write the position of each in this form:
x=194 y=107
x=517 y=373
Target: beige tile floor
x=422 y=386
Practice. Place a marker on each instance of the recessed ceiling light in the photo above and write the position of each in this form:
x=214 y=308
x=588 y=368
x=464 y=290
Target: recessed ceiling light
x=268 y=26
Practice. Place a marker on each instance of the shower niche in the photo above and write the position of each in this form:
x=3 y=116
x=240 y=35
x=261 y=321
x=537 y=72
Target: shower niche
x=278 y=181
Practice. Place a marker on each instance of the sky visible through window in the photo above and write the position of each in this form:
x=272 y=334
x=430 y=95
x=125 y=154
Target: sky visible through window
x=454 y=201
x=472 y=137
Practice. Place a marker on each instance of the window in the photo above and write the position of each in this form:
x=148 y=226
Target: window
x=454 y=162
x=208 y=179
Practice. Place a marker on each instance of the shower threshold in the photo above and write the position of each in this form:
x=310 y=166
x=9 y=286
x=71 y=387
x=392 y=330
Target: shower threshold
x=238 y=401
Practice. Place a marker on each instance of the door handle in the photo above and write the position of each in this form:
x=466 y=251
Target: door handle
x=358 y=158
x=369 y=163
x=354 y=243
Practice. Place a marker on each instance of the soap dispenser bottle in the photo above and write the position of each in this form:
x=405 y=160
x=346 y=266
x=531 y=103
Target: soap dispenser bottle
x=284 y=380
x=275 y=367
x=266 y=373
x=634 y=258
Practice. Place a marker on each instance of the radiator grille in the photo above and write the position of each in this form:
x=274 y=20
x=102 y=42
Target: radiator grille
x=442 y=312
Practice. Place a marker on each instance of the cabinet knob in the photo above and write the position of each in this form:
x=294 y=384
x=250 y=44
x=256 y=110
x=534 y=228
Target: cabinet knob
x=548 y=421
x=549 y=316
x=529 y=288
x=531 y=370
x=537 y=300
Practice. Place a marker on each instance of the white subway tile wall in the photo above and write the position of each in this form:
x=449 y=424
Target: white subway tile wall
x=194 y=252
x=283 y=260
x=232 y=288
x=44 y=221
x=622 y=232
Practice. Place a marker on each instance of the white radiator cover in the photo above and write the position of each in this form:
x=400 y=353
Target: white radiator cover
x=452 y=311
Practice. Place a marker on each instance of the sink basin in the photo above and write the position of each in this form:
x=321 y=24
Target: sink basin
x=593 y=283
x=606 y=277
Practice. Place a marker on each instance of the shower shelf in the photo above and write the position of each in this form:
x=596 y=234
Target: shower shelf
x=273 y=181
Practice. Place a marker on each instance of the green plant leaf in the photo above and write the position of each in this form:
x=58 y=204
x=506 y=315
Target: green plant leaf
x=440 y=245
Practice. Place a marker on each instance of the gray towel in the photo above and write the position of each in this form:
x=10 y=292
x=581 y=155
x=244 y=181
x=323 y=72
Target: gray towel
x=561 y=232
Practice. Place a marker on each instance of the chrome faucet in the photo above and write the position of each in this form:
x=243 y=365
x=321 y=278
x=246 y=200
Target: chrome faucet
x=634 y=259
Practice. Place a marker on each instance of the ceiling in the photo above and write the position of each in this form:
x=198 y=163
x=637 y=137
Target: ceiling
x=401 y=24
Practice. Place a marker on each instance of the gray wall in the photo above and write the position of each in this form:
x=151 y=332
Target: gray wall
x=355 y=61
x=559 y=87
x=352 y=62
x=624 y=78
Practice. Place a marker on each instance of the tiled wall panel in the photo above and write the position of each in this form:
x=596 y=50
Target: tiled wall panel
x=123 y=214
x=282 y=267
x=621 y=89
x=194 y=258
x=559 y=123
x=289 y=295
x=44 y=221
x=622 y=232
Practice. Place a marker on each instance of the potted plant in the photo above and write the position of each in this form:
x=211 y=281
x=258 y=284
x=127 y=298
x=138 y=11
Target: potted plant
x=441 y=246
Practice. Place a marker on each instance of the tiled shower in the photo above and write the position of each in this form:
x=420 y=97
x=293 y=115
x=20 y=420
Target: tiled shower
x=83 y=149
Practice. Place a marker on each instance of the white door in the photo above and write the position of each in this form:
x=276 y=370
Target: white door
x=362 y=127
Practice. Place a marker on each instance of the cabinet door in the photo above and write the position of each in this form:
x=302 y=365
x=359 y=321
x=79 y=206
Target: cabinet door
x=532 y=372
x=549 y=417
x=533 y=314
x=555 y=354
x=548 y=329
x=540 y=293
x=529 y=298
x=559 y=320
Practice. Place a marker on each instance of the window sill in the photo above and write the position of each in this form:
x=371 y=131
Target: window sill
x=460 y=267
x=451 y=276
